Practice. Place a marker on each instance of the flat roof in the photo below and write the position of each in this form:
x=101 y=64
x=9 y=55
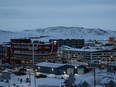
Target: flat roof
x=52 y=65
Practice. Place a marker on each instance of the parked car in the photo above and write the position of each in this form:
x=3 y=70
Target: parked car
x=20 y=73
x=22 y=69
x=41 y=76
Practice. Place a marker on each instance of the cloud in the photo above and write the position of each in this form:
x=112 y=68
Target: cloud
x=58 y=12
x=55 y=11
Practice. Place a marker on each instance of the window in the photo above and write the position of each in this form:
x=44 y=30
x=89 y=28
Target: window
x=46 y=47
x=40 y=47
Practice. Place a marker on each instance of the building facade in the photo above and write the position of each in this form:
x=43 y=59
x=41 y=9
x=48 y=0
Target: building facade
x=76 y=43
x=5 y=54
x=91 y=56
x=61 y=69
x=24 y=51
x=1 y=53
x=54 y=68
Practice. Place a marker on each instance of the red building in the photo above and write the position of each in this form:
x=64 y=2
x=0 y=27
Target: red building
x=24 y=51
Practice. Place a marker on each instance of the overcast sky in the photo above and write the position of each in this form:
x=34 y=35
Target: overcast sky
x=16 y=15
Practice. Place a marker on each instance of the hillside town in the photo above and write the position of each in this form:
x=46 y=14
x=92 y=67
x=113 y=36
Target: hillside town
x=57 y=43
x=64 y=59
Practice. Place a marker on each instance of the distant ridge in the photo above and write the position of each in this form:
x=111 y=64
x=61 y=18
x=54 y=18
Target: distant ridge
x=59 y=32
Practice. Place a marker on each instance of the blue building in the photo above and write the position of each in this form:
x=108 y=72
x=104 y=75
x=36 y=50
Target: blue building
x=54 y=68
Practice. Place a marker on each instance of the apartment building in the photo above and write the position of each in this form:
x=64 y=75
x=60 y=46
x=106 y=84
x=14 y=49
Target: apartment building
x=88 y=55
x=102 y=59
x=26 y=51
x=76 y=43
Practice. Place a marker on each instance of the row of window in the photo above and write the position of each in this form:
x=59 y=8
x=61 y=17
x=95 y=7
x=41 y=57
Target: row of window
x=35 y=57
x=3 y=49
x=3 y=54
x=31 y=47
x=109 y=53
x=30 y=52
x=89 y=55
x=26 y=62
x=36 y=61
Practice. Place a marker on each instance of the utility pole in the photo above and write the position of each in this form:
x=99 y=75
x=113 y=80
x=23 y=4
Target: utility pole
x=94 y=71
x=94 y=76
x=93 y=62
x=70 y=83
x=33 y=58
x=33 y=63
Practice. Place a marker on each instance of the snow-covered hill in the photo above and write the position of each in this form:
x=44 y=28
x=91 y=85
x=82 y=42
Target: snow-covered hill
x=59 y=32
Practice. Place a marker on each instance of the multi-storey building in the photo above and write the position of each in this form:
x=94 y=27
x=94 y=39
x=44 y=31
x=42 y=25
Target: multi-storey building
x=5 y=53
x=76 y=43
x=24 y=51
x=102 y=55
x=1 y=53
x=88 y=54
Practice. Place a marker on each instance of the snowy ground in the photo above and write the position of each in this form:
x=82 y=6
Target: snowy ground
x=102 y=77
x=51 y=80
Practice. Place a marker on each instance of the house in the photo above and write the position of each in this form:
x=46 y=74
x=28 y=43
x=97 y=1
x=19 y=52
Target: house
x=81 y=70
x=111 y=84
x=5 y=75
x=85 y=84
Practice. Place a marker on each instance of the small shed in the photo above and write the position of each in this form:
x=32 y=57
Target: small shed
x=81 y=69
x=54 y=68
